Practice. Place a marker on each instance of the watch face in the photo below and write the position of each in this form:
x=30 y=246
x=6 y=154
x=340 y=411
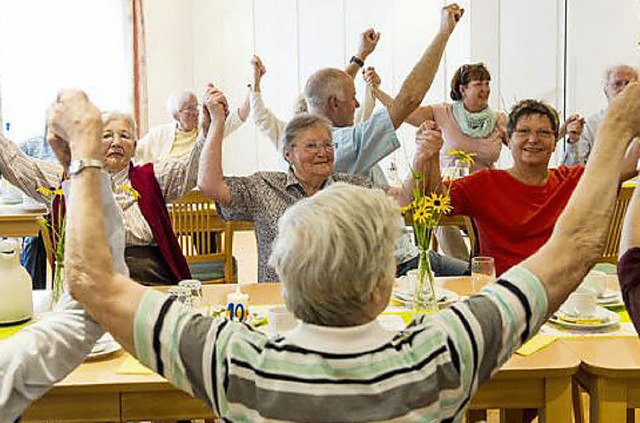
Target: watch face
x=74 y=167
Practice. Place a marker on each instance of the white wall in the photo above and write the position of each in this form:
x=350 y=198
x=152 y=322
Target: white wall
x=191 y=42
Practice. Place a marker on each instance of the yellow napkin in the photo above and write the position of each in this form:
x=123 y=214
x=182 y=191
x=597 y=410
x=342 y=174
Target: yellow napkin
x=131 y=366
x=8 y=331
x=536 y=343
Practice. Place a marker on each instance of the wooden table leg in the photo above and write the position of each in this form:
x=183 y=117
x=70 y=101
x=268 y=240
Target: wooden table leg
x=476 y=416
x=608 y=401
x=558 y=400
x=511 y=415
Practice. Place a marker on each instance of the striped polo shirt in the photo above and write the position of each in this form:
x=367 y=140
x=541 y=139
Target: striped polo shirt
x=427 y=372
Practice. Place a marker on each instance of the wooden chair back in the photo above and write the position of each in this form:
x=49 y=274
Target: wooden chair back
x=202 y=234
x=612 y=243
x=462 y=222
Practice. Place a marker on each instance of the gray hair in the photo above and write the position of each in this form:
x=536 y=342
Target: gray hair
x=177 y=99
x=613 y=68
x=301 y=122
x=321 y=85
x=300 y=105
x=333 y=249
x=110 y=115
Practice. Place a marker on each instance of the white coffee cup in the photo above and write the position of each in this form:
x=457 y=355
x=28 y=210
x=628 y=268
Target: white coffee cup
x=595 y=281
x=581 y=304
x=280 y=320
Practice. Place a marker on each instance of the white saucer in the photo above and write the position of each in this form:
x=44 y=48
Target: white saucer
x=103 y=347
x=445 y=297
x=7 y=200
x=610 y=298
x=609 y=319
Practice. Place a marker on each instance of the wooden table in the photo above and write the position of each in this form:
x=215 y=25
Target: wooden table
x=19 y=225
x=541 y=380
x=94 y=392
x=610 y=372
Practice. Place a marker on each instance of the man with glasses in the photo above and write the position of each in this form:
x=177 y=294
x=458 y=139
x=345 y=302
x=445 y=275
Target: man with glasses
x=178 y=137
x=581 y=134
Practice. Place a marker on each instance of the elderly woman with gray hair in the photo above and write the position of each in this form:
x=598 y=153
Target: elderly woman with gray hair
x=338 y=364
x=263 y=197
x=152 y=253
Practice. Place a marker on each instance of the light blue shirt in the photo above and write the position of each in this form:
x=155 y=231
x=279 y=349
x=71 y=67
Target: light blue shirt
x=361 y=146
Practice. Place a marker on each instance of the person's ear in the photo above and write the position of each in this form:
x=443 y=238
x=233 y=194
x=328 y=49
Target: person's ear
x=462 y=90
x=333 y=102
x=287 y=155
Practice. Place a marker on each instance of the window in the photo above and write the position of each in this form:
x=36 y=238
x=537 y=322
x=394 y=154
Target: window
x=49 y=45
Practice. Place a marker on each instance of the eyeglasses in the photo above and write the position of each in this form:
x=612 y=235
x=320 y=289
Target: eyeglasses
x=189 y=109
x=543 y=134
x=314 y=146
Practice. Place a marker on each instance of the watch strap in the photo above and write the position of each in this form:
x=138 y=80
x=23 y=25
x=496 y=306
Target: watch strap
x=76 y=166
x=357 y=61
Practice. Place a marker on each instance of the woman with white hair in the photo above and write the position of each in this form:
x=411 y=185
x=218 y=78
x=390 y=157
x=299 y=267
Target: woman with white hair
x=178 y=137
x=152 y=252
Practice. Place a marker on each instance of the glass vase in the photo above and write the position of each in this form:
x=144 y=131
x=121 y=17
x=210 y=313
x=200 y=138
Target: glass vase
x=57 y=288
x=424 y=296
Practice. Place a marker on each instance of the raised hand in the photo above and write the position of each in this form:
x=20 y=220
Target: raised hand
x=451 y=15
x=258 y=71
x=215 y=102
x=624 y=111
x=74 y=127
x=428 y=142
x=368 y=42
x=574 y=126
x=371 y=77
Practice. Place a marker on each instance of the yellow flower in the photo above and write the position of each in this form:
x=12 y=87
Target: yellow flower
x=439 y=203
x=58 y=191
x=131 y=191
x=44 y=191
x=406 y=208
x=463 y=156
x=421 y=216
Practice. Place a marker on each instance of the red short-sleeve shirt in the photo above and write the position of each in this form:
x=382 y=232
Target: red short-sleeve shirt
x=513 y=219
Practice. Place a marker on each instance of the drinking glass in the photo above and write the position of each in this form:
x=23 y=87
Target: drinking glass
x=483 y=271
x=194 y=287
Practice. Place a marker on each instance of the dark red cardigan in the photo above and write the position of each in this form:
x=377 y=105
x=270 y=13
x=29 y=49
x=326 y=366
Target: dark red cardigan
x=154 y=210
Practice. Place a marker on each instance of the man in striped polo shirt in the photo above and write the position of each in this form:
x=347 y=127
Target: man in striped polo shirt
x=335 y=256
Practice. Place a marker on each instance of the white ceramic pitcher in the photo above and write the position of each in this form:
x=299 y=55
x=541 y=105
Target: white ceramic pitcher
x=16 y=303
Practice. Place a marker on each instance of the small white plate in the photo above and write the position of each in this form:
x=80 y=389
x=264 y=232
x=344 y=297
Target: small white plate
x=445 y=297
x=103 y=347
x=609 y=319
x=10 y=200
x=611 y=298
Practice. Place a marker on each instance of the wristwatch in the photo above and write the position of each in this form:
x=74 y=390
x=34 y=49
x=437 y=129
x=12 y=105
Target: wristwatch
x=357 y=61
x=76 y=166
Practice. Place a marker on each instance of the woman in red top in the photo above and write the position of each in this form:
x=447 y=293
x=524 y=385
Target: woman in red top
x=515 y=210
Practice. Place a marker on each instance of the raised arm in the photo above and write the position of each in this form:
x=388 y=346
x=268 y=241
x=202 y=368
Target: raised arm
x=372 y=80
x=415 y=118
x=210 y=177
x=579 y=234
x=27 y=173
x=75 y=131
x=368 y=42
x=415 y=86
x=425 y=163
x=266 y=121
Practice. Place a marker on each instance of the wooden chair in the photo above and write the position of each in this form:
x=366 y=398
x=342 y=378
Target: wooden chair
x=461 y=221
x=612 y=244
x=206 y=240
